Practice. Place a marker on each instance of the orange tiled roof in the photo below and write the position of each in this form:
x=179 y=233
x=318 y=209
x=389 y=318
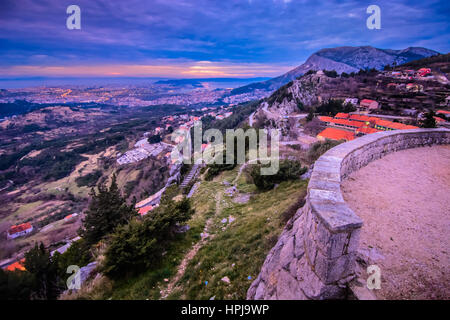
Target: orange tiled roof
x=325 y=118
x=18 y=265
x=19 y=228
x=367 y=130
x=394 y=125
x=363 y=118
x=443 y=112
x=439 y=119
x=341 y=115
x=344 y=122
x=336 y=134
x=144 y=210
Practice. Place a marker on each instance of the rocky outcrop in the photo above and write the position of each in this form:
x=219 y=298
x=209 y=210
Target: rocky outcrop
x=315 y=255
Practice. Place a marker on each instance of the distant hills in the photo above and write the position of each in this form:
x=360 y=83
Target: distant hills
x=342 y=59
x=199 y=82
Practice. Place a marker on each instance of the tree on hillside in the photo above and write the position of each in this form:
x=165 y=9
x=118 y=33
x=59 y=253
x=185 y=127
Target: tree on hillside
x=107 y=210
x=314 y=126
x=38 y=262
x=15 y=285
x=310 y=115
x=330 y=73
x=429 y=121
x=333 y=106
x=288 y=170
x=154 y=139
x=140 y=244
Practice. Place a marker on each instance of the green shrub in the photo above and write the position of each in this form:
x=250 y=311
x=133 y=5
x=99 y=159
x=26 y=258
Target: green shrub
x=89 y=180
x=288 y=170
x=154 y=139
x=319 y=148
x=290 y=212
x=140 y=244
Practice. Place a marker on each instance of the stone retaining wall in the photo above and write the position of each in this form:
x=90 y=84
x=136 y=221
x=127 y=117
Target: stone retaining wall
x=314 y=257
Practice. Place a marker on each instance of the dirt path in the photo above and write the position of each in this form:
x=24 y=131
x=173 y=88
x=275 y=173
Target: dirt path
x=404 y=202
x=191 y=254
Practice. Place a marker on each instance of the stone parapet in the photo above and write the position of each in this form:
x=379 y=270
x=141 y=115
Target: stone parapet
x=315 y=255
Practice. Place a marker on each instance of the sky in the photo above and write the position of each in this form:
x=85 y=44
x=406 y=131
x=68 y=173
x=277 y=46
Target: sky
x=202 y=38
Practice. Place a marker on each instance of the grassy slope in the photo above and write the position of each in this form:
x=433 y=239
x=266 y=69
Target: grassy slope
x=245 y=243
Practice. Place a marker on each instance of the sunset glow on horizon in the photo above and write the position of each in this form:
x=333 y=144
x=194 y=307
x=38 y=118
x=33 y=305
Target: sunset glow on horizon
x=201 y=69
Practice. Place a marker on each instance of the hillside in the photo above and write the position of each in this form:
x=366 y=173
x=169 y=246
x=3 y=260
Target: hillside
x=342 y=59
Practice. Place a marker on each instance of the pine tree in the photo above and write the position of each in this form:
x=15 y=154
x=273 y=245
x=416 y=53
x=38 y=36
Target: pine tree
x=107 y=210
x=38 y=262
x=310 y=115
x=429 y=121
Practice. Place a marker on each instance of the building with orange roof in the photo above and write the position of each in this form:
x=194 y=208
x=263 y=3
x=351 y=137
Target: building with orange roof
x=144 y=210
x=445 y=112
x=423 y=71
x=152 y=200
x=361 y=117
x=341 y=115
x=70 y=216
x=325 y=119
x=19 y=230
x=353 y=125
x=439 y=120
x=18 y=265
x=386 y=125
x=366 y=130
x=368 y=104
x=336 y=134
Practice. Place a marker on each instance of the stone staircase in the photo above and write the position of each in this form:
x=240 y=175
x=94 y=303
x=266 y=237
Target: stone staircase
x=190 y=176
x=193 y=189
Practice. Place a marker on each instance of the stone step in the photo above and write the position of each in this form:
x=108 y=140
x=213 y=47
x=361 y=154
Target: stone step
x=190 y=175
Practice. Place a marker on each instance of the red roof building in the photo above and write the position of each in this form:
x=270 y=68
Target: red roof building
x=439 y=120
x=144 y=210
x=347 y=123
x=341 y=115
x=389 y=125
x=423 y=71
x=19 y=230
x=366 y=130
x=336 y=134
x=18 y=265
x=368 y=104
x=325 y=119
x=362 y=118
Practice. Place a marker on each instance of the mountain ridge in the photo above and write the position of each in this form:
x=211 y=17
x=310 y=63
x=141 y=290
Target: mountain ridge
x=342 y=59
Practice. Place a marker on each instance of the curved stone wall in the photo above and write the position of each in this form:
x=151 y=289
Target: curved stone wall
x=314 y=257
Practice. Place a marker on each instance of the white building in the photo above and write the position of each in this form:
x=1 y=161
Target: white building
x=19 y=230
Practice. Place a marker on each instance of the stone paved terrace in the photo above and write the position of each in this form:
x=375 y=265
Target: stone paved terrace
x=315 y=256
x=404 y=202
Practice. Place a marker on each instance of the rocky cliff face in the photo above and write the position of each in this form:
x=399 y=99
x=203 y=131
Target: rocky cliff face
x=290 y=98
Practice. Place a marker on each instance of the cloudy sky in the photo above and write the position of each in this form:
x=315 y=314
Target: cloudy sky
x=202 y=38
